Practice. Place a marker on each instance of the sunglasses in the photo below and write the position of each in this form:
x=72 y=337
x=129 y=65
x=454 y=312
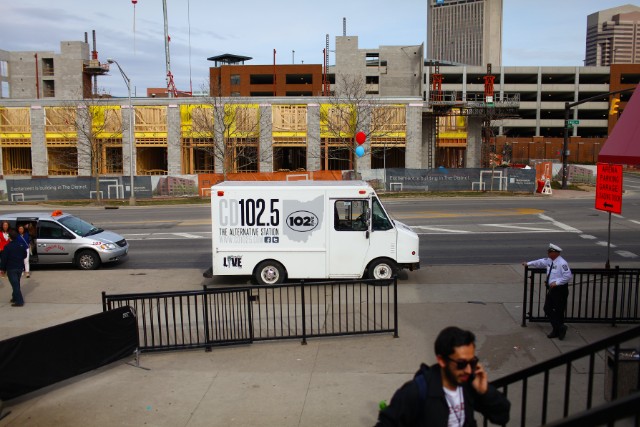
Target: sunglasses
x=462 y=364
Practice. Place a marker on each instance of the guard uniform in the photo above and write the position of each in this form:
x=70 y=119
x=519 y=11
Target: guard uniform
x=558 y=274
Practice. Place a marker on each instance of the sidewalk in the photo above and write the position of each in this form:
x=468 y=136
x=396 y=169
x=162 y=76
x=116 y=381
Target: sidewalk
x=328 y=382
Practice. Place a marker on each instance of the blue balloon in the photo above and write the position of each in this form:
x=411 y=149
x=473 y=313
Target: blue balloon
x=359 y=151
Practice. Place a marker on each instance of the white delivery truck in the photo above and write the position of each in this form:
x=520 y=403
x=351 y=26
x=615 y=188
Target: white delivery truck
x=306 y=230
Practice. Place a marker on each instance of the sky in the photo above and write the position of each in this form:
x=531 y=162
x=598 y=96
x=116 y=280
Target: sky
x=535 y=32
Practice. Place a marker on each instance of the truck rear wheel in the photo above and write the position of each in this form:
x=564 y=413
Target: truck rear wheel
x=270 y=273
x=382 y=269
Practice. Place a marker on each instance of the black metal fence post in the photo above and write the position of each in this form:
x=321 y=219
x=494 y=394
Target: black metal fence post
x=104 y=301
x=524 y=298
x=395 y=306
x=615 y=297
x=304 y=314
x=207 y=334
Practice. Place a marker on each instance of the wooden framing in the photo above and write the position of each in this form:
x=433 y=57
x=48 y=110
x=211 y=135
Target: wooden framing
x=15 y=120
x=289 y=118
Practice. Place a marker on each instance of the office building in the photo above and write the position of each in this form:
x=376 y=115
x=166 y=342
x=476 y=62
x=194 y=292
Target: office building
x=613 y=36
x=465 y=32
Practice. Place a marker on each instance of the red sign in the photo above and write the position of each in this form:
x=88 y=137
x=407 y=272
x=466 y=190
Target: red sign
x=609 y=188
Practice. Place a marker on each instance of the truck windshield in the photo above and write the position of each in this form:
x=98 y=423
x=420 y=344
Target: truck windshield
x=380 y=220
x=78 y=226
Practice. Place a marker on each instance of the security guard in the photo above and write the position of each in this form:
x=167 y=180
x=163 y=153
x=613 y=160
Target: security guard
x=558 y=278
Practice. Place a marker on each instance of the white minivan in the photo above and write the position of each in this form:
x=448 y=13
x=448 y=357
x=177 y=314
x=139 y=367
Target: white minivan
x=64 y=238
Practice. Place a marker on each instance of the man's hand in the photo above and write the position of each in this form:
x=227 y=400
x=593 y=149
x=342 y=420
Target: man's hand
x=480 y=382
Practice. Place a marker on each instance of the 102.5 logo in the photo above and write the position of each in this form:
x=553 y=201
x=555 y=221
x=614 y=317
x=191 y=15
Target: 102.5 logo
x=302 y=221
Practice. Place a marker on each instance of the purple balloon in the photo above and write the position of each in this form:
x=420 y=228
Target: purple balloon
x=359 y=151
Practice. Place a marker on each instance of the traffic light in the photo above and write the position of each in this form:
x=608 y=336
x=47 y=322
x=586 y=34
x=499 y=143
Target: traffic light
x=615 y=105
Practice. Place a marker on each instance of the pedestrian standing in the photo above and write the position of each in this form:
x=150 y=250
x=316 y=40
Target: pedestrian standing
x=12 y=264
x=557 y=283
x=4 y=235
x=448 y=392
x=25 y=239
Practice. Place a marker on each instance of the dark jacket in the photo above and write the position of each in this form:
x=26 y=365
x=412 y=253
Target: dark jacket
x=13 y=256
x=407 y=408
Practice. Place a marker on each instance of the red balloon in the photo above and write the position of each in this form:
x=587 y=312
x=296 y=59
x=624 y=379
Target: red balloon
x=360 y=137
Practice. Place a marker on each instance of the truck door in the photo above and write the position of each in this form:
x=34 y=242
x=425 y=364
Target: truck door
x=54 y=243
x=383 y=238
x=348 y=241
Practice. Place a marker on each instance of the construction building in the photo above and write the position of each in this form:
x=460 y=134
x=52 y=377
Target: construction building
x=70 y=74
x=613 y=36
x=467 y=32
x=386 y=70
x=230 y=77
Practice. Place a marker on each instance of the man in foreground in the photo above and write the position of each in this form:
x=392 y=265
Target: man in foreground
x=448 y=392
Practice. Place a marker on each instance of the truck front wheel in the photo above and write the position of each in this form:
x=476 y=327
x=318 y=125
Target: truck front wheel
x=380 y=269
x=270 y=273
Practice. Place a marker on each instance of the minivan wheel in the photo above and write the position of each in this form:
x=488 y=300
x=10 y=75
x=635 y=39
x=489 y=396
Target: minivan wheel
x=382 y=269
x=270 y=273
x=87 y=260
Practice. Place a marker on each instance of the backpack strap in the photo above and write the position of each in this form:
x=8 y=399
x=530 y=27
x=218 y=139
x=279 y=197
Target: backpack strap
x=421 y=382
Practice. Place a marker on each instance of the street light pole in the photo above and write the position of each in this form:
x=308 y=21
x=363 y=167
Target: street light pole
x=132 y=193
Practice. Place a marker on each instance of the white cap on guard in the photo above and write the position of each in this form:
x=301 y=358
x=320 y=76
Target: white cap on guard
x=554 y=248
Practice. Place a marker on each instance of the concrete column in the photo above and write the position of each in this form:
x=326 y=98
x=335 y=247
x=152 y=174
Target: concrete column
x=363 y=163
x=473 y=152
x=413 y=142
x=86 y=150
x=39 y=157
x=313 y=138
x=538 y=100
x=128 y=162
x=265 y=143
x=425 y=141
x=174 y=154
x=218 y=138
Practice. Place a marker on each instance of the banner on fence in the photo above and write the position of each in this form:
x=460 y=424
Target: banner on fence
x=468 y=179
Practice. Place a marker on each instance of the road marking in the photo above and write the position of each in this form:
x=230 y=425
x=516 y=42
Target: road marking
x=588 y=236
x=517 y=227
x=167 y=236
x=479 y=213
x=445 y=230
x=188 y=236
x=634 y=221
x=601 y=243
x=627 y=254
x=559 y=224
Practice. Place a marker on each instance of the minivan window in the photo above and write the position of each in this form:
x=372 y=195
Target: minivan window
x=51 y=230
x=78 y=226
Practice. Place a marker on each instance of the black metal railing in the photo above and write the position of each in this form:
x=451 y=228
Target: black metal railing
x=595 y=296
x=234 y=315
x=624 y=409
x=574 y=382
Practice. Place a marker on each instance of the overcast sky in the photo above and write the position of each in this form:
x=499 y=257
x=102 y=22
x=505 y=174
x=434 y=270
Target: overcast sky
x=535 y=32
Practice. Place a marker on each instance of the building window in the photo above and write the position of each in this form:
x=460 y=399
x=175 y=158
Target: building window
x=47 y=66
x=235 y=93
x=4 y=90
x=48 y=89
x=235 y=79
x=4 y=69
